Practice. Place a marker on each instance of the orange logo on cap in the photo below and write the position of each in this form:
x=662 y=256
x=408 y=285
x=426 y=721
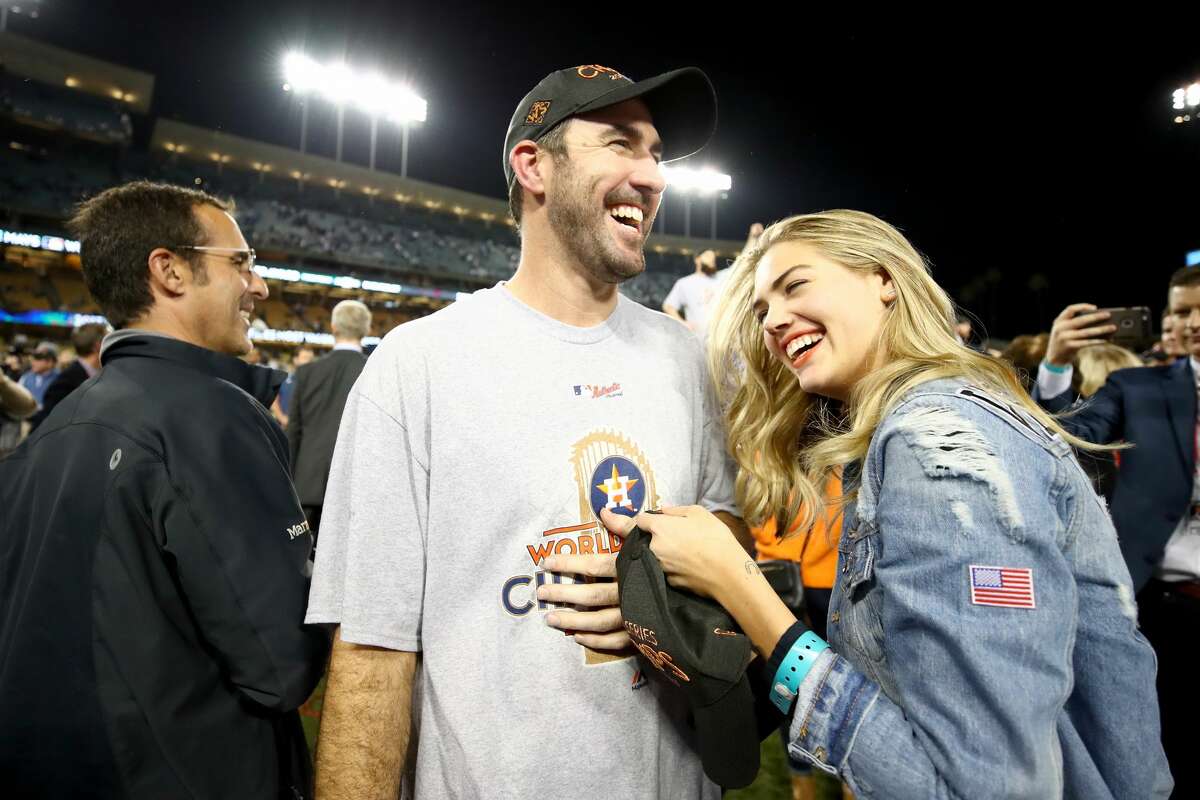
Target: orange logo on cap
x=590 y=71
x=537 y=112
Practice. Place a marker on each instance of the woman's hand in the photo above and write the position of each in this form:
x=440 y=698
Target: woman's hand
x=697 y=551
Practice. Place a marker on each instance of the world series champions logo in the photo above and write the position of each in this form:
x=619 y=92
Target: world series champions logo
x=610 y=472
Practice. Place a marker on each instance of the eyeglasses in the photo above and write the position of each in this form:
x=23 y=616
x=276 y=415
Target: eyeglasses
x=242 y=258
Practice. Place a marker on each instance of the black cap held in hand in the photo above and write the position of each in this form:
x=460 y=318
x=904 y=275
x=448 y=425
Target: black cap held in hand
x=694 y=644
x=682 y=105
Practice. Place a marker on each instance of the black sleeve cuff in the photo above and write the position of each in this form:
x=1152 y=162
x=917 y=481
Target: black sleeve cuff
x=781 y=649
x=761 y=675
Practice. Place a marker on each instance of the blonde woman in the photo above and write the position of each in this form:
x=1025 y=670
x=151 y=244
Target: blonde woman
x=1098 y=361
x=982 y=629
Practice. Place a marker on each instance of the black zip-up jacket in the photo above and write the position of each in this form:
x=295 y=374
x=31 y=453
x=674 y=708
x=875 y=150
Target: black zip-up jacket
x=154 y=570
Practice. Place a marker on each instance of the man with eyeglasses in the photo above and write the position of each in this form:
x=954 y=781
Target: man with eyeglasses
x=155 y=558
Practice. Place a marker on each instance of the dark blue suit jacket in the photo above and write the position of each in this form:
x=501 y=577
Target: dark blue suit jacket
x=1154 y=409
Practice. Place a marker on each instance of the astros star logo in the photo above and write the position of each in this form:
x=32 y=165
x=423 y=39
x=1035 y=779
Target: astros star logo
x=617 y=488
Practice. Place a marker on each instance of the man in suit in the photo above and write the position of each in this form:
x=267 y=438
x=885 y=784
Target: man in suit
x=86 y=340
x=1156 y=503
x=318 y=397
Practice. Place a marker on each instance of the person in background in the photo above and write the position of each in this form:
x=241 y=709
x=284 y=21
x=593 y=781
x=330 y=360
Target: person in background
x=280 y=408
x=86 y=341
x=691 y=296
x=43 y=369
x=1097 y=362
x=319 y=396
x=1171 y=340
x=16 y=403
x=815 y=552
x=1155 y=501
x=1025 y=353
x=1093 y=365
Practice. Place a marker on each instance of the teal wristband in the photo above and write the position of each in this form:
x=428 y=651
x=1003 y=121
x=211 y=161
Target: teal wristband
x=1055 y=368
x=794 y=668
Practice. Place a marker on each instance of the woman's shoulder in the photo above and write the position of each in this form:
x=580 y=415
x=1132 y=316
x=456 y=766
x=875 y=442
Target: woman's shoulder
x=954 y=419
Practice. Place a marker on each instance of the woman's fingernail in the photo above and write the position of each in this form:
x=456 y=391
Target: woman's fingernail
x=552 y=620
x=550 y=564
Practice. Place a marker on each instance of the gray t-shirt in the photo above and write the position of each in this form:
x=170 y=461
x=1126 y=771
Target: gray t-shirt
x=693 y=295
x=478 y=440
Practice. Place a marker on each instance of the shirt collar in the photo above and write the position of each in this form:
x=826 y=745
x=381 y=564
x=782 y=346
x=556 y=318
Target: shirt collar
x=261 y=383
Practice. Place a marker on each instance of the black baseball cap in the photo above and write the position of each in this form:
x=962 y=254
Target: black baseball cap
x=682 y=103
x=694 y=644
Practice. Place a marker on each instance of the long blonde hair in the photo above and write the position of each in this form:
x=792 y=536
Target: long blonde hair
x=788 y=443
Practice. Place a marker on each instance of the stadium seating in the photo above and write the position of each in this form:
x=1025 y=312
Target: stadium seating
x=54 y=108
x=313 y=222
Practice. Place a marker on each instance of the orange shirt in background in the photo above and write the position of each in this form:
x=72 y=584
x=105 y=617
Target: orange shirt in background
x=818 y=564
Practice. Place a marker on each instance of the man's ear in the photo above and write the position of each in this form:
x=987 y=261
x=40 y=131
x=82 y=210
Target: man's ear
x=169 y=275
x=527 y=167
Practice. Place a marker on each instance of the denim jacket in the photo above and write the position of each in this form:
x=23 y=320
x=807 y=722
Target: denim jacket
x=932 y=690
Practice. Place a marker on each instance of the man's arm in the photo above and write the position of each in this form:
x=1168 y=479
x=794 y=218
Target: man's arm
x=235 y=532
x=294 y=420
x=366 y=722
x=1078 y=326
x=674 y=301
x=15 y=399
x=277 y=412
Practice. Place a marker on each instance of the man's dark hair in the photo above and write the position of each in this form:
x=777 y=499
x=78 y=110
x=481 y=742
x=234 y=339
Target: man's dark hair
x=120 y=227
x=86 y=338
x=1186 y=276
x=554 y=142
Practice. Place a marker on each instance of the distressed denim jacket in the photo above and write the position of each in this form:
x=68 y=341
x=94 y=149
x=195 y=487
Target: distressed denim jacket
x=936 y=684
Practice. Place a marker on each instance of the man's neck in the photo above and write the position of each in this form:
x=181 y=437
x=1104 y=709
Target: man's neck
x=548 y=281
x=93 y=360
x=167 y=325
x=347 y=344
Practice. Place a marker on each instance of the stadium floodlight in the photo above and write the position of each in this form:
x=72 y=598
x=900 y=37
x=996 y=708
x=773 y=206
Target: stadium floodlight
x=701 y=181
x=29 y=7
x=704 y=182
x=370 y=92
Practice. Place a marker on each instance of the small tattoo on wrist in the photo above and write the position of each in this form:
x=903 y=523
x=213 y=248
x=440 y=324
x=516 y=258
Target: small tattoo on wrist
x=752 y=568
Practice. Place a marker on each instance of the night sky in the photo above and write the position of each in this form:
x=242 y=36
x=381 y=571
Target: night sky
x=1016 y=151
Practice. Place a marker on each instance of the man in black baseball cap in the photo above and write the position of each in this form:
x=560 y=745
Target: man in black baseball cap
x=681 y=103
x=503 y=704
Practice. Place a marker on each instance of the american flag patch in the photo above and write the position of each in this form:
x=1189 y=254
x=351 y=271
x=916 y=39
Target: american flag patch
x=1002 y=586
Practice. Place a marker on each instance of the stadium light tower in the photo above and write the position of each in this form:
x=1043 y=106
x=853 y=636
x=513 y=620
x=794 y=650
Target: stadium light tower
x=703 y=182
x=1185 y=102
x=29 y=7
x=369 y=92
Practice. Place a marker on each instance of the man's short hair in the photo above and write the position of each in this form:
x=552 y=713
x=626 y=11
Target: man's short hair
x=1185 y=276
x=121 y=226
x=86 y=338
x=351 y=319
x=554 y=142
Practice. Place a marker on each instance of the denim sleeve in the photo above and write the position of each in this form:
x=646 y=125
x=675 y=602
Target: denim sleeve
x=979 y=688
